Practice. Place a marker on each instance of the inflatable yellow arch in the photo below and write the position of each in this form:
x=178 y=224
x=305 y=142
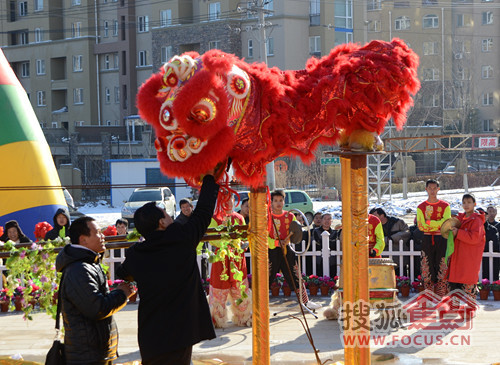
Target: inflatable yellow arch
x=30 y=189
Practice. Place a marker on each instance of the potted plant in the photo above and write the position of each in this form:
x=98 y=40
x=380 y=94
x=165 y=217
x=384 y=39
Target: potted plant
x=403 y=283
x=484 y=289
x=4 y=300
x=313 y=284
x=287 y=290
x=325 y=285
x=276 y=285
x=18 y=296
x=495 y=287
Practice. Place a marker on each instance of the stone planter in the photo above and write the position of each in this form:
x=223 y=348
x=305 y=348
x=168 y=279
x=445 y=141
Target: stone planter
x=4 y=306
x=325 y=290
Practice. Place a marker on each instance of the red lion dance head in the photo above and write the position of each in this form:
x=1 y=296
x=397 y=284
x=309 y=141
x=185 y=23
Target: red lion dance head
x=211 y=108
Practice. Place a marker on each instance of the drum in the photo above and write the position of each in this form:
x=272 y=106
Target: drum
x=382 y=281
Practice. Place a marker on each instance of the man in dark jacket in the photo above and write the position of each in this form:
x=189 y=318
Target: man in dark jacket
x=61 y=225
x=91 y=335
x=173 y=310
x=186 y=211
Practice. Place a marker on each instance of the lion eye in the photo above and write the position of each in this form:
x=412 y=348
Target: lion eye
x=204 y=111
x=167 y=119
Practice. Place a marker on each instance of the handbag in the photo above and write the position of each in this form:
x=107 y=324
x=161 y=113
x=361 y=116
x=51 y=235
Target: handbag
x=56 y=356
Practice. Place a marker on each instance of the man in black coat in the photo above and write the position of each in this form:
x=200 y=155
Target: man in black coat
x=173 y=310
x=90 y=332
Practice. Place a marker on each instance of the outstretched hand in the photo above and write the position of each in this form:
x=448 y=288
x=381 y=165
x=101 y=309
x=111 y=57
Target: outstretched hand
x=126 y=288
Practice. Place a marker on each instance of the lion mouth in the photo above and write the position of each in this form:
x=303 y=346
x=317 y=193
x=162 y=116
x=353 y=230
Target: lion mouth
x=179 y=147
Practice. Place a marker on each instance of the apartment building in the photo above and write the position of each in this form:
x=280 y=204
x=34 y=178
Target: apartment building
x=81 y=62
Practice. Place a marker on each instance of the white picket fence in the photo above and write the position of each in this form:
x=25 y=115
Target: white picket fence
x=323 y=256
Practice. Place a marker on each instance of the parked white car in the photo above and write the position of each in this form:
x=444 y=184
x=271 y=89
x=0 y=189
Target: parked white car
x=162 y=196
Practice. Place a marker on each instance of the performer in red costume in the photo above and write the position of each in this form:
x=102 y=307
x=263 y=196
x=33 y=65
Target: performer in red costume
x=465 y=261
x=278 y=240
x=431 y=214
x=222 y=280
x=376 y=242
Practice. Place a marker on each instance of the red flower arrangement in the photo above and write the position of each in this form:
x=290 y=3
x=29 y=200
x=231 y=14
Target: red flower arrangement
x=1 y=231
x=41 y=230
x=110 y=231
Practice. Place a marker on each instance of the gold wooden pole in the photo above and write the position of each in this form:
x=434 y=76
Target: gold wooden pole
x=359 y=209
x=261 y=354
x=347 y=255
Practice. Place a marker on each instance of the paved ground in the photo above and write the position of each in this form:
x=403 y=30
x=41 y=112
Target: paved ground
x=289 y=344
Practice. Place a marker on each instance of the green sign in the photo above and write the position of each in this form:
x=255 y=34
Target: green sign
x=330 y=160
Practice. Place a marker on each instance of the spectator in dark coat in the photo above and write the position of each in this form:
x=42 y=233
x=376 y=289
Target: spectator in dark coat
x=61 y=225
x=90 y=332
x=14 y=233
x=173 y=310
x=186 y=210
x=326 y=226
x=395 y=230
x=492 y=230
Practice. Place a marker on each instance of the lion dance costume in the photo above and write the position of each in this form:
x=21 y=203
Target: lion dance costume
x=212 y=108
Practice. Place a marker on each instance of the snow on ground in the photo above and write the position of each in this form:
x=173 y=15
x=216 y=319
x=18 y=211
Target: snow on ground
x=400 y=207
x=397 y=206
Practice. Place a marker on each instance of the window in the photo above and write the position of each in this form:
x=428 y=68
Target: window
x=314 y=12
x=38 y=35
x=431 y=74
x=23 y=8
x=430 y=48
x=315 y=46
x=106 y=29
x=117 y=94
x=214 y=45
x=374 y=26
x=488 y=125
x=40 y=98
x=487 y=17
x=165 y=18
x=402 y=23
x=115 y=28
x=77 y=63
x=38 y=5
x=430 y=21
x=54 y=124
x=78 y=96
x=23 y=38
x=79 y=123
x=142 y=24
x=108 y=122
x=431 y=101
x=487 y=72
x=107 y=95
x=116 y=61
x=166 y=53
x=343 y=14
x=270 y=46
x=250 y=48
x=461 y=72
x=40 y=67
x=487 y=99
x=76 y=2
x=487 y=45
x=342 y=37
x=464 y=20
x=75 y=29
x=373 y=5
x=269 y=6
x=143 y=58
x=106 y=62
x=25 y=69
x=214 y=11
